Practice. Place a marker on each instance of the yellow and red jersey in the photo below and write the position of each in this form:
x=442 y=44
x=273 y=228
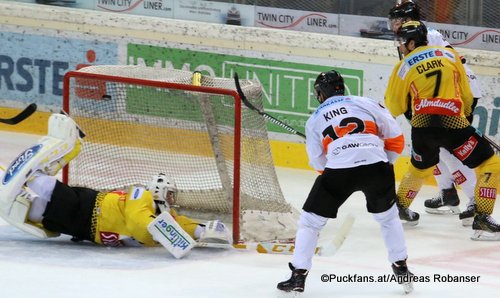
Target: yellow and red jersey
x=431 y=80
x=121 y=214
x=118 y=214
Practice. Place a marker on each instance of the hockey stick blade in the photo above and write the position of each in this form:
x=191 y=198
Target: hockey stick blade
x=28 y=111
x=282 y=248
x=331 y=248
x=263 y=114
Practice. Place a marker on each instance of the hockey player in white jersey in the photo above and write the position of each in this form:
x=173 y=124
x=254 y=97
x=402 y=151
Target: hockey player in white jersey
x=449 y=171
x=353 y=142
x=34 y=201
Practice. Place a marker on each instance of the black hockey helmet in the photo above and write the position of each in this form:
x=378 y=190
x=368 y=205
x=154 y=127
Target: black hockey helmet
x=329 y=83
x=412 y=30
x=405 y=10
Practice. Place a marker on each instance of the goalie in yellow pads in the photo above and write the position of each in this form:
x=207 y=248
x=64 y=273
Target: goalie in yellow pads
x=34 y=201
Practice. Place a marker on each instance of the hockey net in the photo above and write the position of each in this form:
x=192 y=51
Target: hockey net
x=141 y=121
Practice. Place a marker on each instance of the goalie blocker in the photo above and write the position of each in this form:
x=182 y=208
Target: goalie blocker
x=179 y=243
x=169 y=233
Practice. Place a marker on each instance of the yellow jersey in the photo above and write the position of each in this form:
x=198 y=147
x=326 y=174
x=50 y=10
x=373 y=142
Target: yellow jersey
x=431 y=81
x=120 y=214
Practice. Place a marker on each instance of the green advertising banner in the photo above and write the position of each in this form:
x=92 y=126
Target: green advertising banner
x=288 y=92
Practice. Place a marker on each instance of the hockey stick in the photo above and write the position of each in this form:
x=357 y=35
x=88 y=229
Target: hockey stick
x=269 y=247
x=400 y=55
x=81 y=133
x=493 y=144
x=28 y=111
x=263 y=114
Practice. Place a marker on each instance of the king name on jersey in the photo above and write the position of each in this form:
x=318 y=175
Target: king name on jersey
x=336 y=112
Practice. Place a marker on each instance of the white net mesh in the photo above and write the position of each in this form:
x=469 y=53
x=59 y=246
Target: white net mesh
x=136 y=129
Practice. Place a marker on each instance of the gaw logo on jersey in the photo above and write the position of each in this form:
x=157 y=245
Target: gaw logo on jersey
x=19 y=162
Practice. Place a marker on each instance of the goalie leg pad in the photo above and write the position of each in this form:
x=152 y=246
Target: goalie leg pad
x=18 y=217
x=48 y=156
x=169 y=233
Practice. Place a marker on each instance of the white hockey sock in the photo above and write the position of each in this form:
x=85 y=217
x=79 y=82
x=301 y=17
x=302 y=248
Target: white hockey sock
x=310 y=225
x=43 y=186
x=461 y=174
x=392 y=232
x=444 y=179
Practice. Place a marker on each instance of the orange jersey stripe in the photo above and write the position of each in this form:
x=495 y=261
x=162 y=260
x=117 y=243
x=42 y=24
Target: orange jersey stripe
x=370 y=127
x=340 y=131
x=395 y=144
x=326 y=141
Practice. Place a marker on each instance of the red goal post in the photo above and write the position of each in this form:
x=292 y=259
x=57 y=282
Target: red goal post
x=140 y=121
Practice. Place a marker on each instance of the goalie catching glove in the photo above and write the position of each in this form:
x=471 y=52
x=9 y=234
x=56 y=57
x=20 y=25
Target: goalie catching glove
x=216 y=232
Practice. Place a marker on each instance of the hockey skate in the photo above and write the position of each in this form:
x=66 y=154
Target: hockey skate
x=445 y=203
x=403 y=275
x=467 y=216
x=296 y=282
x=485 y=228
x=408 y=216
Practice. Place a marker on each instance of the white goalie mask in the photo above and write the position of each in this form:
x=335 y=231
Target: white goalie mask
x=164 y=192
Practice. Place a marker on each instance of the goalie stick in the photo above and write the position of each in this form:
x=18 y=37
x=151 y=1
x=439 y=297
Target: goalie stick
x=328 y=248
x=81 y=133
x=28 y=111
x=263 y=114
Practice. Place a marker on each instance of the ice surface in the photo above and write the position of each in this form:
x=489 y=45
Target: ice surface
x=30 y=267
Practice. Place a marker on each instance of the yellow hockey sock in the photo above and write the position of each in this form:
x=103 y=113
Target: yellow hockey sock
x=410 y=185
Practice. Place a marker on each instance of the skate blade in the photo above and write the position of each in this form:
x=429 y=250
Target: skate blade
x=290 y=294
x=467 y=222
x=409 y=223
x=407 y=287
x=444 y=210
x=485 y=236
